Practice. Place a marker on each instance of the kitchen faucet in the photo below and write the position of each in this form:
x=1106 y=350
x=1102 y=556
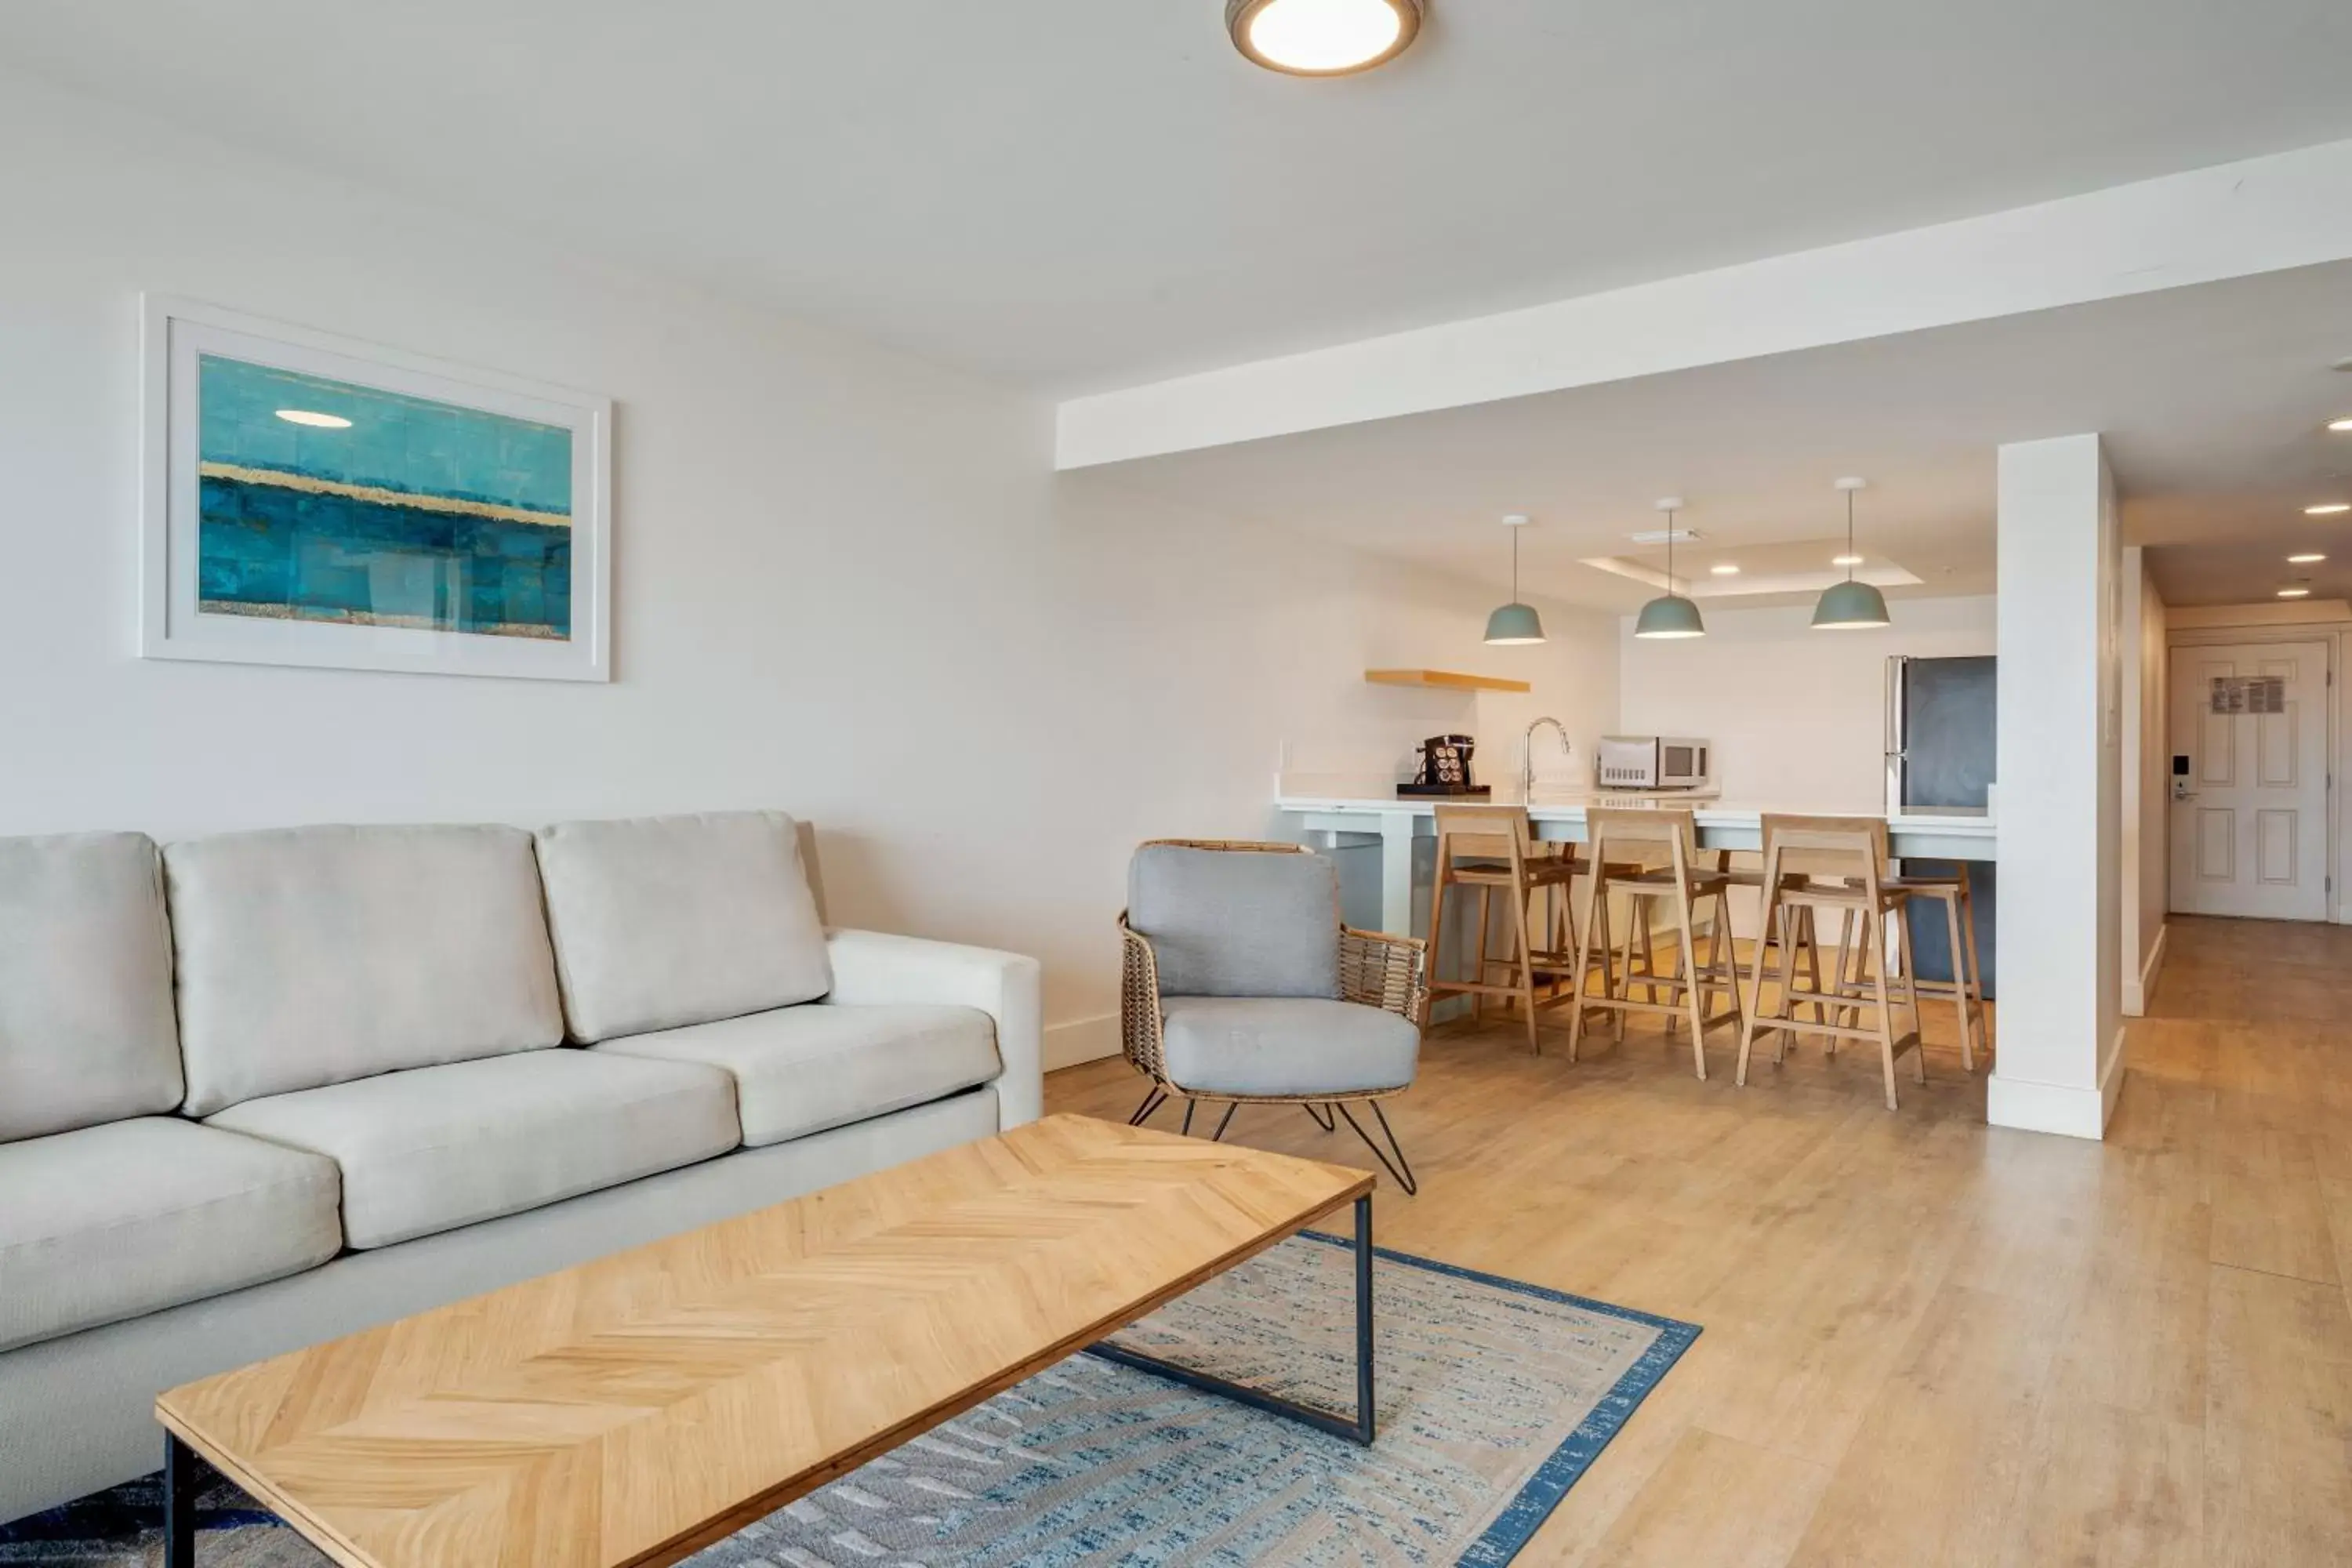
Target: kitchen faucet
x=1528 y=755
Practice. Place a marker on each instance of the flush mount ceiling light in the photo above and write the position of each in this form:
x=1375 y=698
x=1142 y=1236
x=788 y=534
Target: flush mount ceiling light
x=2308 y=558
x=1850 y=605
x=2340 y=424
x=1845 y=560
x=1671 y=615
x=2327 y=509
x=1724 y=569
x=1514 y=624
x=1322 y=37
x=313 y=417
x=2294 y=592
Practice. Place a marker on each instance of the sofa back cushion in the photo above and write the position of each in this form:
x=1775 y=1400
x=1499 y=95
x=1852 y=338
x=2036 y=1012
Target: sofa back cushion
x=316 y=956
x=664 y=922
x=85 y=1029
x=1226 y=922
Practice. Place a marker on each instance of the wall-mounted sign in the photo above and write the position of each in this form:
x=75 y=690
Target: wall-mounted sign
x=2249 y=694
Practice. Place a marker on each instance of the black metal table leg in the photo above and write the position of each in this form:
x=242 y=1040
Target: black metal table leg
x=183 y=1479
x=1357 y=1428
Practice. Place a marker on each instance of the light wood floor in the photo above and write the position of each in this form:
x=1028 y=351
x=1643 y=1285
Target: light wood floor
x=1927 y=1341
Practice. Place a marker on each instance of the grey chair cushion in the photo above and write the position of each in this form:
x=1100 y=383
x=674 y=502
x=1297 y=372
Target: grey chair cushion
x=86 y=1027
x=1234 y=924
x=802 y=1069
x=669 y=920
x=1285 y=1045
x=434 y=1148
x=317 y=955
x=106 y=1222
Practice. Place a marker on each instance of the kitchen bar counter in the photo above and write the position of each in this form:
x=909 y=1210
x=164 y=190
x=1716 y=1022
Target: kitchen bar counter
x=1943 y=833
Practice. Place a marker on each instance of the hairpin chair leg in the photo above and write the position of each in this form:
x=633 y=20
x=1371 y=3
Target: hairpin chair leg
x=1188 y=1105
x=1321 y=1116
x=1397 y=1167
x=1153 y=1099
x=1219 y=1135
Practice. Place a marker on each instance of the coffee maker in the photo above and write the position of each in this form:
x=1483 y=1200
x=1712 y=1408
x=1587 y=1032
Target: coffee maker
x=1446 y=768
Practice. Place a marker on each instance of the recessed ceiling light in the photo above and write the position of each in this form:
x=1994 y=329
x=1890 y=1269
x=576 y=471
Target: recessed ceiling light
x=1322 y=37
x=2327 y=509
x=2308 y=558
x=312 y=416
x=1724 y=569
x=1845 y=560
x=2294 y=592
x=2340 y=424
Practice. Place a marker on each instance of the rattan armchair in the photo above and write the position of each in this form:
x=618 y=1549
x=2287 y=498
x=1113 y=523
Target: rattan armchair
x=1389 y=974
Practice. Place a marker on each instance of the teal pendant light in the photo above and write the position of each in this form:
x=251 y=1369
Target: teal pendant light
x=1850 y=605
x=1671 y=615
x=1515 y=625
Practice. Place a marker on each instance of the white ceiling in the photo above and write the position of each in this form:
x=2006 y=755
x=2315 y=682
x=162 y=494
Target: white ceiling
x=2213 y=400
x=1069 y=194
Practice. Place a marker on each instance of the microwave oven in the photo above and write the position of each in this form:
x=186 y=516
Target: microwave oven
x=1652 y=762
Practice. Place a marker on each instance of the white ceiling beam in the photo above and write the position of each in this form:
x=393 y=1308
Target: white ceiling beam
x=2265 y=214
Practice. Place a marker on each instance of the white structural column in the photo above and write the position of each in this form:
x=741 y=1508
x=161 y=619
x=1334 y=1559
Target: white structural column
x=2060 y=1061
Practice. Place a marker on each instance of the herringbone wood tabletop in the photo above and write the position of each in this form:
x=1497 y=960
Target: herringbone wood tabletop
x=636 y=1409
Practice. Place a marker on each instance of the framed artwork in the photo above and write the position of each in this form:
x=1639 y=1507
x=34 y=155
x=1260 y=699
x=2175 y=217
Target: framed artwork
x=313 y=500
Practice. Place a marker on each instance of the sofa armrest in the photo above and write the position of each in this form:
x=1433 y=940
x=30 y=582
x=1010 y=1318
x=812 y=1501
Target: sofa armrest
x=871 y=967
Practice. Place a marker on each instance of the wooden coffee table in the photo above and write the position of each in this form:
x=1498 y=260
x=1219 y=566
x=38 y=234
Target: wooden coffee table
x=636 y=1409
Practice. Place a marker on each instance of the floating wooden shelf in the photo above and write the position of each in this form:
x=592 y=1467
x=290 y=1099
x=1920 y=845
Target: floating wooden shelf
x=1445 y=680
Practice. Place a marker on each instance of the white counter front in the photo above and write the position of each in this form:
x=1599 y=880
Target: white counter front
x=1946 y=832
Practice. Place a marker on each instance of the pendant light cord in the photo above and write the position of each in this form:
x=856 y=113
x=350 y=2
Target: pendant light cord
x=1515 y=566
x=1670 y=557
x=1848 y=536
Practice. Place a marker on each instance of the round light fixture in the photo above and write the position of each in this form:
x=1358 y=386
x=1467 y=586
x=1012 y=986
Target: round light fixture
x=1514 y=624
x=2294 y=592
x=1322 y=37
x=2308 y=558
x=1671 y=615
x=2340 y=424
x=2327 y=509
x=312 y=417
x=1845 y=560
x=1850 y=605
x=1724 y=569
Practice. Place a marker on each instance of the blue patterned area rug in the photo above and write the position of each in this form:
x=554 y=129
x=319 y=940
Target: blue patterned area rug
x=1493 y=1397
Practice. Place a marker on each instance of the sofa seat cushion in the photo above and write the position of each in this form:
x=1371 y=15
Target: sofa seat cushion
x=316 y=956
x=106 y=1222
x=664 y=922
x=434 y=1148
x=800 y=1070
x=1285 y=1045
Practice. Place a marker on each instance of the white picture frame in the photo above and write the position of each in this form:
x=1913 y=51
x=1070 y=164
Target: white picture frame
x=174 y=625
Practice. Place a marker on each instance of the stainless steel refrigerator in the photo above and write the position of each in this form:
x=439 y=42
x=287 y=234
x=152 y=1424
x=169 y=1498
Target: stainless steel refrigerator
x=1940 y=750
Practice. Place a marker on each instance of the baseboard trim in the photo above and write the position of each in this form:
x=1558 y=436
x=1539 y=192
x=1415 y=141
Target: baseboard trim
x=2062 y=1108
x=2139 y=990
x=1080 y=1040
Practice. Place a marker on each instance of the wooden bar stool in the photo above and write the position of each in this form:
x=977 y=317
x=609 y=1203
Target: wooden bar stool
x=1813 y=864
x=1491 y=849
x=1651 y=856
x=1966 y=988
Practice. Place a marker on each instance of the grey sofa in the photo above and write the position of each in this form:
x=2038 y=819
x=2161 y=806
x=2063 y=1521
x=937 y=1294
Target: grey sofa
x=263 y=1089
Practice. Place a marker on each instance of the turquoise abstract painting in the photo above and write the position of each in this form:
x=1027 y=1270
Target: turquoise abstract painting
x=323 y=500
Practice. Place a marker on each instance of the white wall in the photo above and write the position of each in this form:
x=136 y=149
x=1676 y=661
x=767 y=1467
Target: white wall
x=2146 y=849
x=847 y=584
x=1798 y=717
x=2059 y=915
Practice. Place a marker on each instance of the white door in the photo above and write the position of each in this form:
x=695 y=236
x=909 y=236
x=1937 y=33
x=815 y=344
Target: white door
x=2250 y=819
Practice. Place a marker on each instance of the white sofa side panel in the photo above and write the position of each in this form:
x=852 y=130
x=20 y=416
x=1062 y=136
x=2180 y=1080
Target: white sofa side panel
x=872 y=967
x=108 y=1377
